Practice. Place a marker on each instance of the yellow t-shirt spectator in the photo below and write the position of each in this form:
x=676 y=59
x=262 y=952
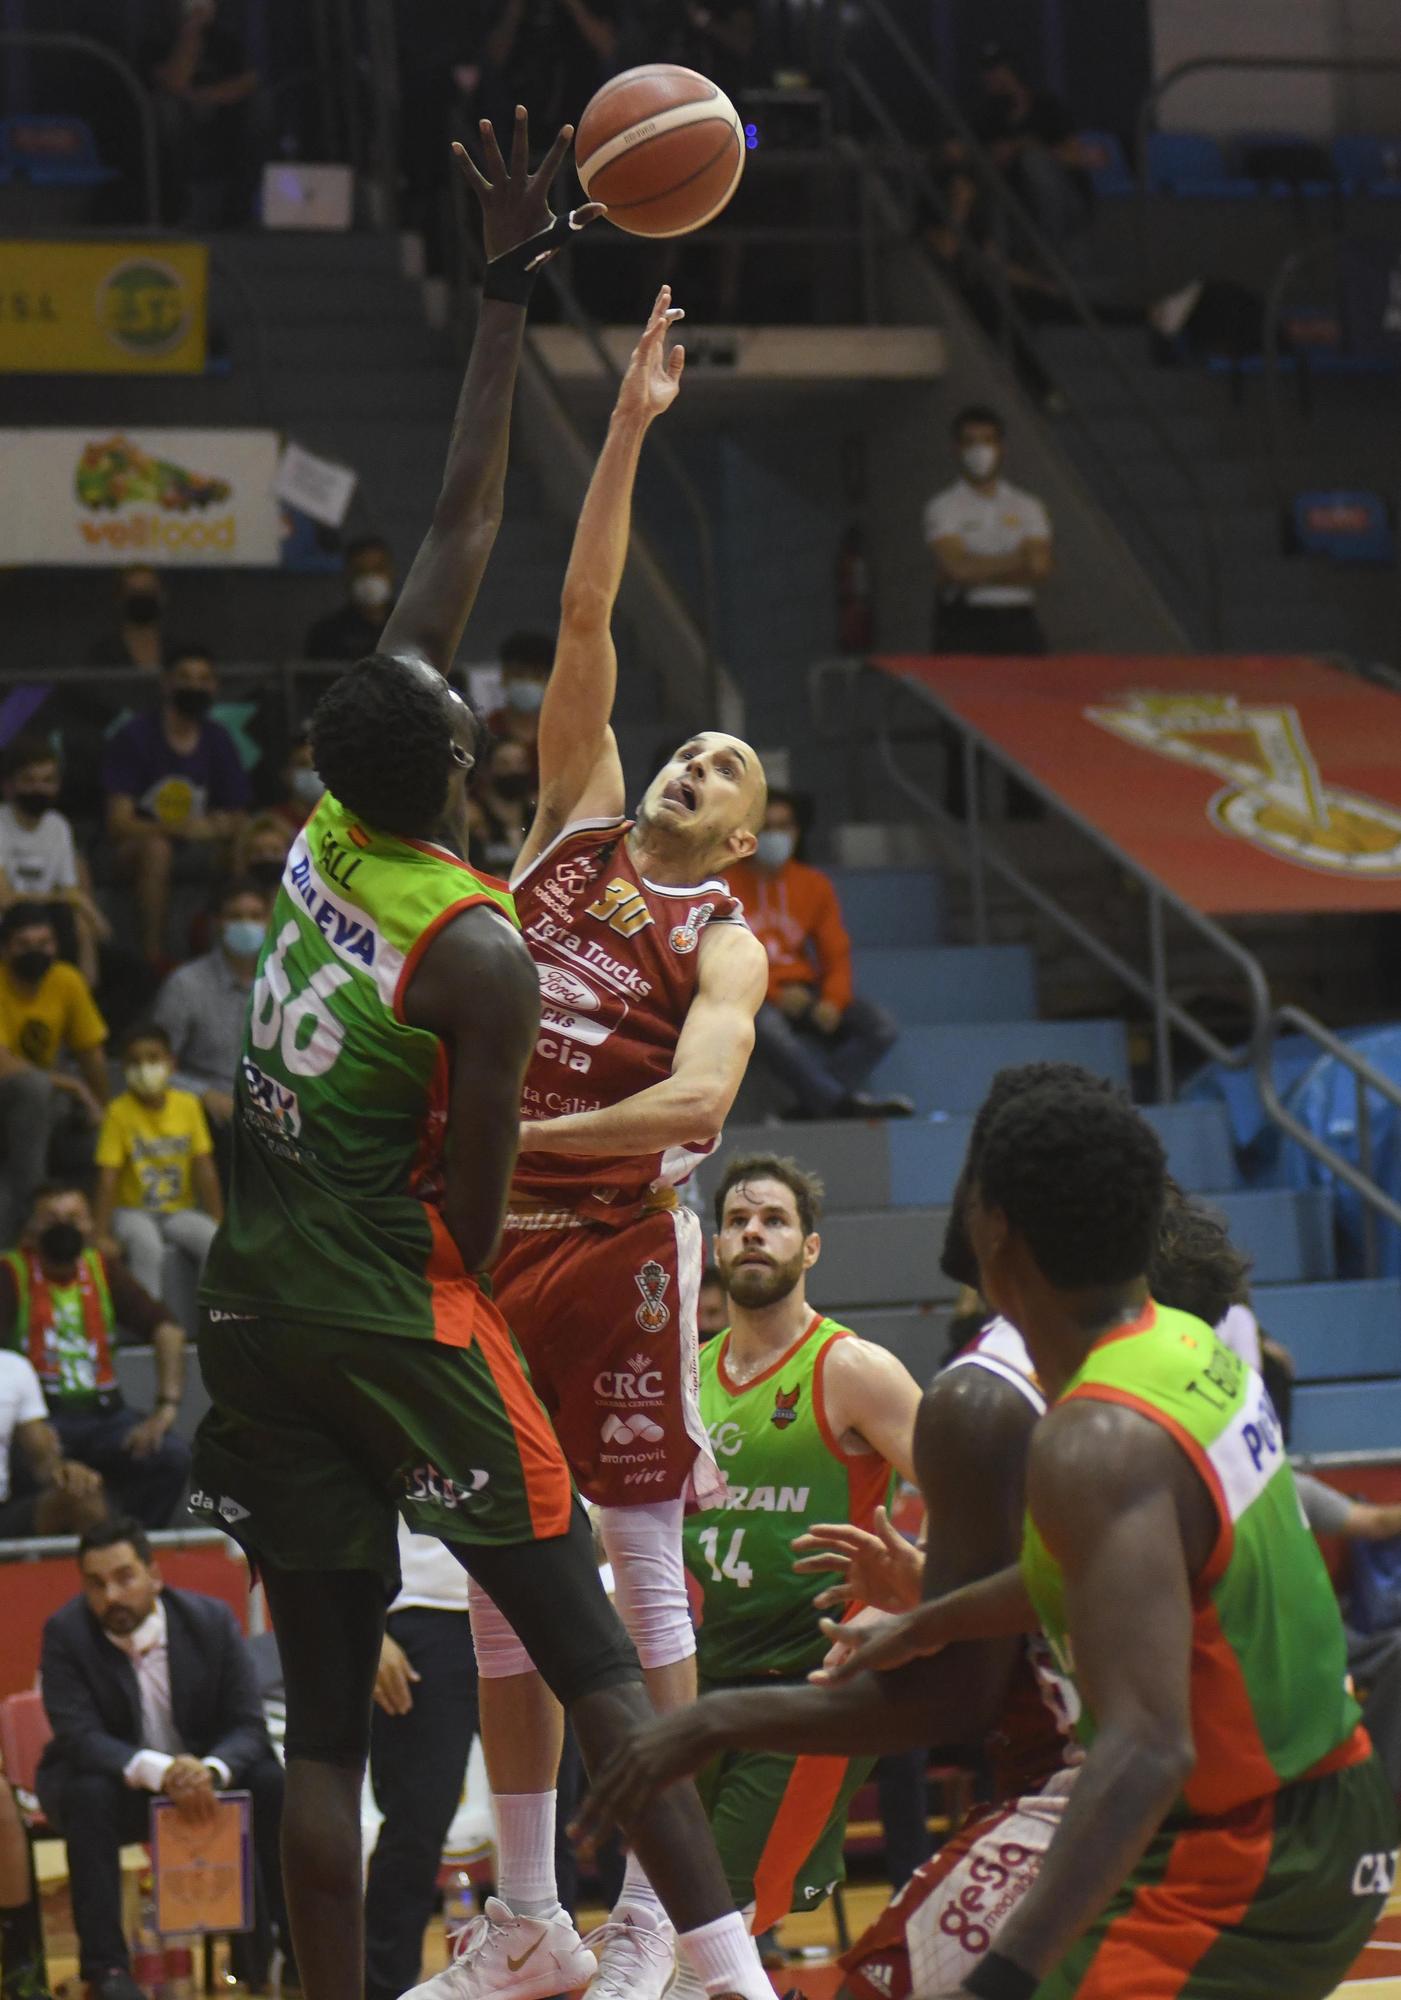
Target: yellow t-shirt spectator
x=59 y=1016
x=152 y=1148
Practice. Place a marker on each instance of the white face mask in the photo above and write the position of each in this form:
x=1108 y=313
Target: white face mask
x=774 y=847
x=525 y=697
x=147 y=1079
x=306 y=785
x=980 y=460
x=370 y=593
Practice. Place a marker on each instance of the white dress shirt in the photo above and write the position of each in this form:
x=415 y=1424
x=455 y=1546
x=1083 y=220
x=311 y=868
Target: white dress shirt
x=148 y=1649
x=989 y=524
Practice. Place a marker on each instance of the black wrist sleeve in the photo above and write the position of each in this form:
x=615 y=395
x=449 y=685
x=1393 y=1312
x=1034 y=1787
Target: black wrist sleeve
x=512 y=276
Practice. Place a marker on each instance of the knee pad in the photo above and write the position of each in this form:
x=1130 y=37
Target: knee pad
x=500 y=1654
x=649 y=1579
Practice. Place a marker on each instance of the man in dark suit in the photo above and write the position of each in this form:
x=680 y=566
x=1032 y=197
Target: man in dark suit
x=148 y=1690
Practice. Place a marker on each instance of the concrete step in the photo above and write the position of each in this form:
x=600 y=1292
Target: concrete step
x=889 y=906
x=953 y=983
x=950 y=1068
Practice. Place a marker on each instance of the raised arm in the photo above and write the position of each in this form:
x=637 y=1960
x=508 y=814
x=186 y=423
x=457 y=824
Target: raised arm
x=442 y=585
x=580 y=775
x=477 y=989
x=689 y=1106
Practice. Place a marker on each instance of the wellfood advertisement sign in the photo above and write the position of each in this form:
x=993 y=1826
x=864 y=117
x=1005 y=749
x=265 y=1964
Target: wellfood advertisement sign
x=109 y=497
x=109 y=308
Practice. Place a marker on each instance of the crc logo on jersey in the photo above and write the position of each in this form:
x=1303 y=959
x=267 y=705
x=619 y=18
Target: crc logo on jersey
x=623 y=907
x=685 y=937
x=639 y=1382
x=652 y=1281
x=425 y=1482
x=785 y=1407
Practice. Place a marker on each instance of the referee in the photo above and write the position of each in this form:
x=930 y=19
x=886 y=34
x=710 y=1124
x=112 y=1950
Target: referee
x=991 y=544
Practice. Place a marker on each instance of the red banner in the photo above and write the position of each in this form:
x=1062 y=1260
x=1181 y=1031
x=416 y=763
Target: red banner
x=1246 y=785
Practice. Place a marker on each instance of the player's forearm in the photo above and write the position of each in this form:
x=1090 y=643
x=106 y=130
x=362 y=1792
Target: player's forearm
x=679 y=1111
x=600 y=551
x=442 y=585
x=1127 y=1784
x=169 y=1343
x=874 y=1715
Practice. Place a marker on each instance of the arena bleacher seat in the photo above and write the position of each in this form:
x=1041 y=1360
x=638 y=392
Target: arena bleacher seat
x=1193 y=165
x=1366 y=165
x=1104 y=160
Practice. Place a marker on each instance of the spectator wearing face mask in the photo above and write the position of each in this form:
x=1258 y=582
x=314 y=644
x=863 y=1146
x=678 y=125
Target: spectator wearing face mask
x=526 y=661
x=814 y=1036
x=202 y=1005
x=504 y=807
x=158 y=1195
x=260 y=853
x=65 y=1305
x=39 y=860
x=352 y=632
x=300 y=784
x=991 y=544
x=137 y=639
x=47 y=1017
x=176 y=791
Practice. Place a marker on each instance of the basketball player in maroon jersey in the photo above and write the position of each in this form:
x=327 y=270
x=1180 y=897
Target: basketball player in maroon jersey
x=650 y=980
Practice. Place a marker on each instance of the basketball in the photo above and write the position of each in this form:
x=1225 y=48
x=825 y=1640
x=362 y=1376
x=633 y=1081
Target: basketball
x=662 y=147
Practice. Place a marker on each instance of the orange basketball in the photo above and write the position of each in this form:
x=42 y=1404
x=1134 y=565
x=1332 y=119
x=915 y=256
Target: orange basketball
x=662 y=147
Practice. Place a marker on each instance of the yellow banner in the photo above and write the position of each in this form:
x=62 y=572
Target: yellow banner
x=102 y=308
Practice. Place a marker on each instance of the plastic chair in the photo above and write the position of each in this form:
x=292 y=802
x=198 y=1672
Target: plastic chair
x=1104 y=159
x=1192 y=165
x=24 y=1730
x=1347 y=526
x=1365 y=165
x=53 y=152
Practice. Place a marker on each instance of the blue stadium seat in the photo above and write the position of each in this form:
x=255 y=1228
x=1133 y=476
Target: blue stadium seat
x=1347 y=1416
x=1197 y=1140
x=53 y=152
x=1368 y=166
x=1192 y=164
x=1287 y=1232
x=1282 y=165
x=1108 y=169
x=995 y=982
x=1346 y=525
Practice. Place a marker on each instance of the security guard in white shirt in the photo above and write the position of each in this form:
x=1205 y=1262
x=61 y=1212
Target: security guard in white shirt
x=991 y=544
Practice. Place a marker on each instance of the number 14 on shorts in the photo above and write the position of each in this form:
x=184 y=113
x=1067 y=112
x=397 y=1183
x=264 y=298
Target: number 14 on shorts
x=733 y=1567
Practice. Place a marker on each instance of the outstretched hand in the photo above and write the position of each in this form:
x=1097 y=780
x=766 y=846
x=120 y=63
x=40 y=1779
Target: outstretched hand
x=515 y=203
x=893 y=1642
x=657 y=1755
x=880 y=1569
x=653 y=375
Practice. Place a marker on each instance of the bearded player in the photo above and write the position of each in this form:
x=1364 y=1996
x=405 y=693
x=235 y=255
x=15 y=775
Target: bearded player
x=972 y=1439
x=358 y=1369
x=810 y=1422
x=650 y=981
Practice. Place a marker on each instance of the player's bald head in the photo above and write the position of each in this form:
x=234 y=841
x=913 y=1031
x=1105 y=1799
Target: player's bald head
x=711 y=794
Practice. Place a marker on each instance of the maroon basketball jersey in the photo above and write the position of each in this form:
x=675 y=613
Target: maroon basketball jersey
x=618 y=959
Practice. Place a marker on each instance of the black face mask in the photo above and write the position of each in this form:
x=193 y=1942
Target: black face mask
x=143 y=607
x=30 y=966
x=61 y=1243
x=36 y=804
x=268 y=873
x=191 y=702
x=513 y=785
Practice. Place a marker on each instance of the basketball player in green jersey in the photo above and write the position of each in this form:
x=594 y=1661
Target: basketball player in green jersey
x=808 y=1423
x=1231 y=1832
x=357 y=1368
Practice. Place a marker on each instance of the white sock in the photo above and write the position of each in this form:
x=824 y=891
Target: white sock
x=725 y=1959
x=637 y=1893
x=525 y=1852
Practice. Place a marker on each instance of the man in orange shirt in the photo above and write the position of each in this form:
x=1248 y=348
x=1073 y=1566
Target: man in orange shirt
x=818 y=1039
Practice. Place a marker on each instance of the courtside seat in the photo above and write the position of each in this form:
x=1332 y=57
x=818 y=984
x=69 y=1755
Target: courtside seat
x=950 y=1068
x=889 y=906
x=1368 y=165
x=1192 y=166
x=1104 y=160
x=994 y=982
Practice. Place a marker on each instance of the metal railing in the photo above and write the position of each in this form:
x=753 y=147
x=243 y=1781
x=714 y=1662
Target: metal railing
x=84 y=45
x=1010 y=214
x=968 y=843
